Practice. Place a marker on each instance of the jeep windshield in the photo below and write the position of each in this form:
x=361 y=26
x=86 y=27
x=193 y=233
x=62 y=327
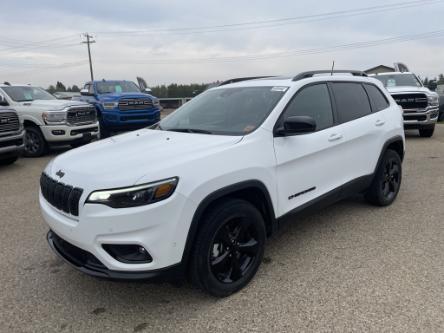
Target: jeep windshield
x=27 y=94
x=225 y=111
x=399 y=80
x=117 y=87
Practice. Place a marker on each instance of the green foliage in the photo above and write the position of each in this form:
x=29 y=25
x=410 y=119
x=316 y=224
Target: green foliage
x=178 y=90
x=60 y=87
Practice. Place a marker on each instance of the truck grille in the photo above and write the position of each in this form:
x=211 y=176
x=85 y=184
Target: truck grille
x=9 y=122
x=63 y=197
x=129 y=104
x=82 y=115
x=411 y=101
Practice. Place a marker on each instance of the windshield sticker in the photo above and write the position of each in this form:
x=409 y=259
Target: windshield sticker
x=282 y=89
x=391 y=83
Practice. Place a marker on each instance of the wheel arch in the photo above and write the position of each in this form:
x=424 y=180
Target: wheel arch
x=253 y=191
x=395 y=143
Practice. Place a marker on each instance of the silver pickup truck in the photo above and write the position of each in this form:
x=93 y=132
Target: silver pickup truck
x=11 y=135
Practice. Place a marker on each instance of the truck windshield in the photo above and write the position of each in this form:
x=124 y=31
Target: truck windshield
x=399 y=80
x=27 y=94
x=228 y=111
x=113 y=87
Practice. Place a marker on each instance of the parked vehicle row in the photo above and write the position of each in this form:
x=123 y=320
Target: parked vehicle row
x=11 y=134
x=221 y=175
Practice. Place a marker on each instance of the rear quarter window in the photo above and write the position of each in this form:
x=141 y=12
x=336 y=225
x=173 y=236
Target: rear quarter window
x=351 y=101
x=377 y=99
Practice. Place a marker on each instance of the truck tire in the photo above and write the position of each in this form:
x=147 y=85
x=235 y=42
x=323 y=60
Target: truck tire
x=426 y=132
x=35 y=143
x=387 y=180
x=229 y=248
x=9 y=160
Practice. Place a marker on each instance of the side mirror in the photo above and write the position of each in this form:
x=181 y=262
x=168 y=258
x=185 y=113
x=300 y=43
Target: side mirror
x=3 y=101
x=297 y=125
x=85 y=92
x=148 y=90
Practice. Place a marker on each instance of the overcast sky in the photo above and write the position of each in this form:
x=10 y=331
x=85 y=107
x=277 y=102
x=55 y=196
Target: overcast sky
x=165 y=41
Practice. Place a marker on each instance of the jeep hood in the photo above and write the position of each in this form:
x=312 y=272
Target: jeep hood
x=54 y=104
x=124 y=159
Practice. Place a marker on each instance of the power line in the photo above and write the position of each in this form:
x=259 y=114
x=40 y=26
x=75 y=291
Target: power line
x=277 y=22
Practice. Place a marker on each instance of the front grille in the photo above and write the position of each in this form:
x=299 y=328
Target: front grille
x=15 y=142
x=415 y=117
x=138 y=117
x=63 y=197
x=9 y=122
x=411 y=101
x=129 y=104
x=82 y=115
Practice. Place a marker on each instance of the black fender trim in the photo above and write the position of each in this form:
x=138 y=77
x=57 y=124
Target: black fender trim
x=390 y=141
x=212 y=197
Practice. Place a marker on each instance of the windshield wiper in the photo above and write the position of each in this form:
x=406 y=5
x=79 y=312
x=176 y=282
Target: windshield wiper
x=189 y=130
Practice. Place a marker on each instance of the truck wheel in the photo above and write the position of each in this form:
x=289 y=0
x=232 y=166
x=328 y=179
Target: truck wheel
x=426 y=132
x=35 y=144
x=387 y=180
x=229 y=248
x=9 y=160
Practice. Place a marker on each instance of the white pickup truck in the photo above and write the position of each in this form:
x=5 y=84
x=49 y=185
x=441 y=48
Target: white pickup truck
x=49 y=121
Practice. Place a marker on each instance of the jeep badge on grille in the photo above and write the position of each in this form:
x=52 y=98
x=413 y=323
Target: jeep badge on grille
x=60 y=173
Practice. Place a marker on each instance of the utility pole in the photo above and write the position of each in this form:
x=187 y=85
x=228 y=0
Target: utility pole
x=88 y=42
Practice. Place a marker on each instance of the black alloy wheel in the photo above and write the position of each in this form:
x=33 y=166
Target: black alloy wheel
x=234 y=250
x=35 y=144
x=387 y=180
x=229 y=247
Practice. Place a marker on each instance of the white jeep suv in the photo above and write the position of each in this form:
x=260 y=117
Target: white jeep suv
x=198 y=194
x=49 y=121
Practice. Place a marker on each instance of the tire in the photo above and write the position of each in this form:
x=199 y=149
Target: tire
x=228 y=249
x=35 y=143
x=387 y=181
x=9 y=160
x=426 y=132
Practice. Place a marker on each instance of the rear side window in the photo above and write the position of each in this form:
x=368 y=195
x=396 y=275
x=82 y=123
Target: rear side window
x=377 y=98
x=351 y=101
x=313 y=101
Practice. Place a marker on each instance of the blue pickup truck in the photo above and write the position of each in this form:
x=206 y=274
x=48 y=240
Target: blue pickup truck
x=121 y=105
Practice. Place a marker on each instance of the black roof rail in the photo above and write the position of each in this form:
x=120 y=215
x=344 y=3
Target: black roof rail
x=305 y=75
x=239 y=79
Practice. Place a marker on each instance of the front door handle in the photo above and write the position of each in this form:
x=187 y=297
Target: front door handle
x=335 y=137
x=379 y=122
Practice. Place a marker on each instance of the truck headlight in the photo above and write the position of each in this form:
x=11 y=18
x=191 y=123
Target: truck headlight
x=110 y=105
x=156 y=102
x=135 y=196
x=433 y=99
x=54 y=118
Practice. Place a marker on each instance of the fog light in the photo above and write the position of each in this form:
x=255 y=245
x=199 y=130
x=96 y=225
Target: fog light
x=130 y=254
x=58 y=132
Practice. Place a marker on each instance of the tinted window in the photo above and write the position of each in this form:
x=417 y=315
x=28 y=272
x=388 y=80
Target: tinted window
x=399 y=80
x=27 y=94
x=377 y=99
x=313 y=101
x=351 y=101
x=111 y=87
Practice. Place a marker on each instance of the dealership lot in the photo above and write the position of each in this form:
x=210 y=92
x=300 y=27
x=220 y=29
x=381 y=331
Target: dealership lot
x=350 y=267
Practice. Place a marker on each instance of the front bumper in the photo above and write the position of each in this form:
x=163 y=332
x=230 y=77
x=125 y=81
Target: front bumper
x=67 y=134
x=129 y=120
x=12 y=143
x=87 y=263
x=418 y=118
x=161 y=228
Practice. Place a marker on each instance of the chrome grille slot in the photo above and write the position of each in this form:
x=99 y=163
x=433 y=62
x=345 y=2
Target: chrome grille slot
x=128 y=104
x=9 y=122
x=82 y=115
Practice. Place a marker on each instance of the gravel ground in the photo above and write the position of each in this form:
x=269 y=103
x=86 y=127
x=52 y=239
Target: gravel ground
x=350 y=267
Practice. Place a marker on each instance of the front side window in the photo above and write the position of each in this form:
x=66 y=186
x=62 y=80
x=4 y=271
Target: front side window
x=312 y=101
x=399 y=80
x=351 y=101
x=27 y=94
x=377 y=99
x=118 y=87
x=225 y=111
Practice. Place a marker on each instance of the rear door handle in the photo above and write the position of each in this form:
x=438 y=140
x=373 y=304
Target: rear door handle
x=335 y=137
x=379 y=122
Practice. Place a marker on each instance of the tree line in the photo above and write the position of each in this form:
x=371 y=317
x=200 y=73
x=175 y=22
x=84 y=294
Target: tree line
x=60 y=87
x=432 y=83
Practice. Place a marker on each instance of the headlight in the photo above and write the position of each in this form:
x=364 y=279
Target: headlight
x=156 y=102
x=110 y=105
x=54 y=118
x=135 y=196
x=433 y=99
